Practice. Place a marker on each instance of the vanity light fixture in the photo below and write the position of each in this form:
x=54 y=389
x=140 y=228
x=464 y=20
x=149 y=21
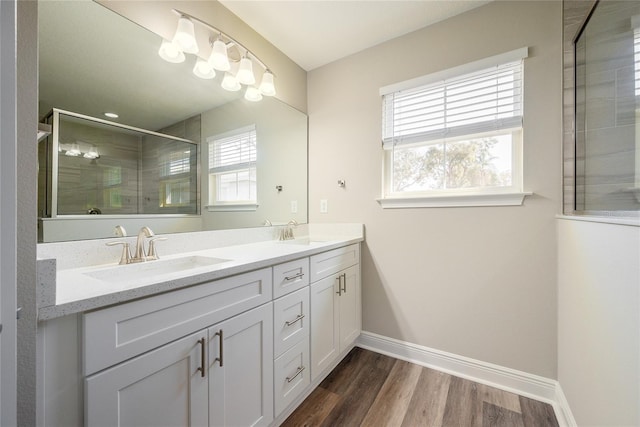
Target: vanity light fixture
x=185 y=36
x=238 y=71
x=219 y=58
x=267 y=87
x=245 y=73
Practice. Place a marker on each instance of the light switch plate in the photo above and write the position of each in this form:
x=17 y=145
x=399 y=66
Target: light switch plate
x=324 y=208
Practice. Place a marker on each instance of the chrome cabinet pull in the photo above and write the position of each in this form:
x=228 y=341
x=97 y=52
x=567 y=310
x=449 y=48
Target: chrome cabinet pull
x=344 y=282
x=221 y=341
x=202 y=342
x=297 y=319
x=295 y=276
x=339 y=285
x=298 y=372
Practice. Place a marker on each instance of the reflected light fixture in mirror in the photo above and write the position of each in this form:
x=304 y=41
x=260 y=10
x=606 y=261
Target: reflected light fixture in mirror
x=203 y=69
x=253 y=94
x=170 y=52
x=184 y=41
x=74 y=151
x=92 y=153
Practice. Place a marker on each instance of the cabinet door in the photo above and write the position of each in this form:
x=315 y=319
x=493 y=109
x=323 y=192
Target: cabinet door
x=164 y=387
x=349 y=297
x=325 y=333
x=241 y=369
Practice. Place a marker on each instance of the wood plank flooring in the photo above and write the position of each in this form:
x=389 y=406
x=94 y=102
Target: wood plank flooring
x=370 y=389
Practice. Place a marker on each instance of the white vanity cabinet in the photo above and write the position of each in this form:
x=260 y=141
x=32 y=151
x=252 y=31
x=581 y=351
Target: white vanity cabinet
x=239 y=350
x=221 y=375
x=335 y=305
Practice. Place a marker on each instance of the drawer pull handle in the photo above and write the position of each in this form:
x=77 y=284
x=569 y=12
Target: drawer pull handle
x=202 y=343
x=295 y=276
x=221 y=341
x=298 y=372
x=344 y=282
x=297 y=319
x=339 y=278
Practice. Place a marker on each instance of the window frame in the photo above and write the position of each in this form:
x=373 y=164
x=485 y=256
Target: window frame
x=239 y=205
x=478 y=196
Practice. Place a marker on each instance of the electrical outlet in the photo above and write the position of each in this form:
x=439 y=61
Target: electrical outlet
x=294 y=206
x=324 y=208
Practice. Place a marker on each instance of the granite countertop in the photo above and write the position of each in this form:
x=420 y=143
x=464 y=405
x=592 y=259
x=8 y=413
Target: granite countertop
x=74 y=290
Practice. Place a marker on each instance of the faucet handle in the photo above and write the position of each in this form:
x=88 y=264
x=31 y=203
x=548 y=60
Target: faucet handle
x=153 y=254
x=125 y=258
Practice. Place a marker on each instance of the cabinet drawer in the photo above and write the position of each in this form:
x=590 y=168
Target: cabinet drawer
x=291 y=375
x=290 y=276
x=330 y=262
x=120 y=332
x=290 y=320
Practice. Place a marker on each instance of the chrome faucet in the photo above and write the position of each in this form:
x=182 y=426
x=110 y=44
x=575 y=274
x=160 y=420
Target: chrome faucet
x=286 y=233
x=140 y=254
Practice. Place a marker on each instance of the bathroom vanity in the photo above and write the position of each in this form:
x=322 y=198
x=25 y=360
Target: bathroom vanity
x=237 y=334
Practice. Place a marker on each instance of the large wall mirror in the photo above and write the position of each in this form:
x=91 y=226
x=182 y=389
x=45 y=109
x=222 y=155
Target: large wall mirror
x=94 y=61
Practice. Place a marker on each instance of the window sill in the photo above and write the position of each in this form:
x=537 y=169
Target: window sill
x=455 y=201
x=236 y=207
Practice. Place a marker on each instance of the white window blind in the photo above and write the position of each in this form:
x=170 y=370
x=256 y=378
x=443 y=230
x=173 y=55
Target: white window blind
x=233 y=151
x=482 y=101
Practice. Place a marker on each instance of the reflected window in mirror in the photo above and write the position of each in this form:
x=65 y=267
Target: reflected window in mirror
x=232 y=168
x=607 y=111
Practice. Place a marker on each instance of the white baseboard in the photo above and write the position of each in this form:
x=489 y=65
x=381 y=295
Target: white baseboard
x=562 y=409
x=522 y=383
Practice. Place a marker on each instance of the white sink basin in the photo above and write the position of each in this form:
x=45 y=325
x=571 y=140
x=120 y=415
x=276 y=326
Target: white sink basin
x=148 y=269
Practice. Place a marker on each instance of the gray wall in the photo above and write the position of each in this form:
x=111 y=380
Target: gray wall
x=477 y=282
x=599 y=321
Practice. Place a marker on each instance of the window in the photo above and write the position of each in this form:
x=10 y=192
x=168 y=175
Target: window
x=455 y=133
x=232 y=169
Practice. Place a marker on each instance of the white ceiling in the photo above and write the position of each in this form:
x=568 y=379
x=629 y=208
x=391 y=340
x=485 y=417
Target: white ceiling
x=327 y=30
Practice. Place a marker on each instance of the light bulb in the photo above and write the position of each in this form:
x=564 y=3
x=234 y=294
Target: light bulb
x=186 y=36
x=267 y=87
x=170 y=52
x=245 y=73
x=252 y=94
x=203 y=69
x=230 y=83
x=219 y=59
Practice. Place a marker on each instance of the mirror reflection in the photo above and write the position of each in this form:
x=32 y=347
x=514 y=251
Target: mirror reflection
x=607 y=115
x=118 y=70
